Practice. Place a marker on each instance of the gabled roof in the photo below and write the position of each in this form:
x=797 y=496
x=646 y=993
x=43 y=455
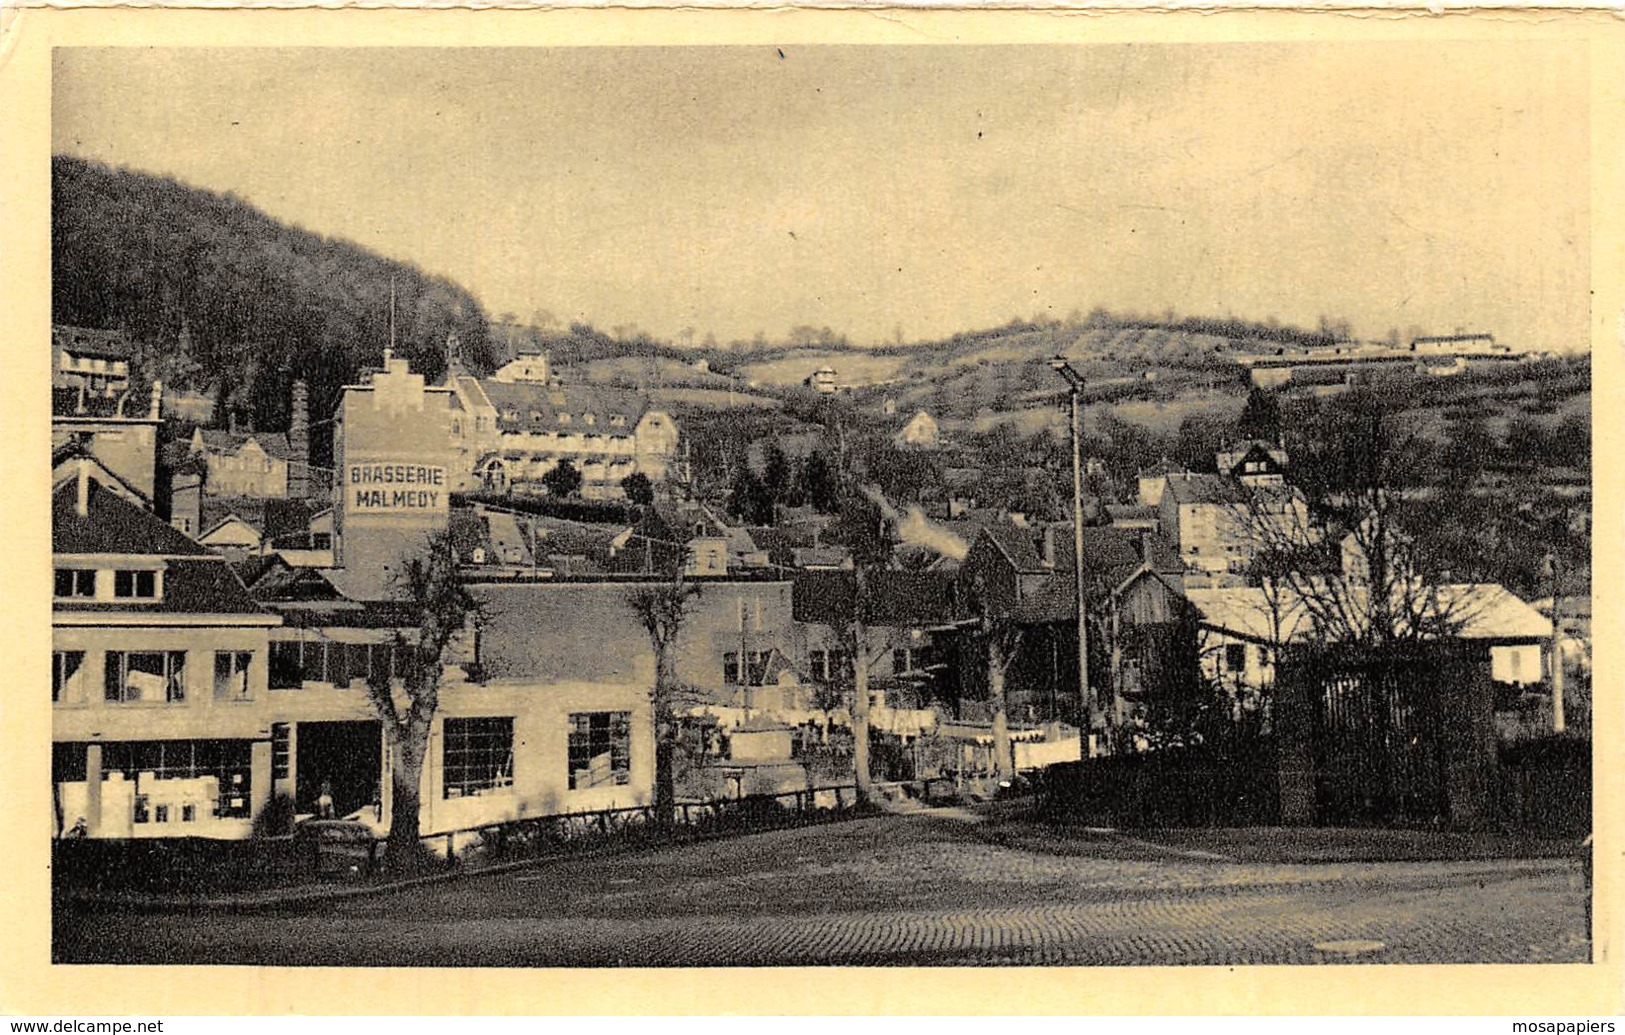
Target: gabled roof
x=275 y=443
x=64 y=467
x=272 y=580
x=229 y=519
x=112 y=525
x=1016 y=545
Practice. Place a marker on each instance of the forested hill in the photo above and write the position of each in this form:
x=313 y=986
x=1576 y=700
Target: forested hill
x=222 y=298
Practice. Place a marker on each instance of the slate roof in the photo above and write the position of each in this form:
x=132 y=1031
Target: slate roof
x=113 y=525
x=537 y=406
x=1205 y=488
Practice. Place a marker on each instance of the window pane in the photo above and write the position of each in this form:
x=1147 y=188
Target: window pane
x=286 y=671
x=123 y=583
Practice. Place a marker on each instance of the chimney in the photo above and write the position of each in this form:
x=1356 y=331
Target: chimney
x=155 y=408
x=1047 y=547
x=299 y=444
x=82 y=505
x=231 y=422
x=1144 y=546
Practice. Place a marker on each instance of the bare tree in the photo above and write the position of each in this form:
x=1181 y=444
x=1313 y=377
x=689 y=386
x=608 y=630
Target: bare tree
x=1339 y=548
x=661 y=609
x=443 y=608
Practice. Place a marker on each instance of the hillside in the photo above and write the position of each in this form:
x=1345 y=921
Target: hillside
x=224 y=299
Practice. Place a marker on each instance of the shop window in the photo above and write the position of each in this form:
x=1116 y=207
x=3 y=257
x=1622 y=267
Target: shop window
x=231 y=675
x=146 y=676
x=66 y=680
x=228 y=762
x=140 y=585
x=75 y=582
x=478 y=756
x=600 y=749
x=286 y=671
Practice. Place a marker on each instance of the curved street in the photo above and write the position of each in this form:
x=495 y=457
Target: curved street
x=932 y=888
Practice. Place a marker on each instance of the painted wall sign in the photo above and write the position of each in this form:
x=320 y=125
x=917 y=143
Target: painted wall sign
x=394 y=487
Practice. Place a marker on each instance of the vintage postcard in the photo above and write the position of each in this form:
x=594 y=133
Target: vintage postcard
x=1093 y=511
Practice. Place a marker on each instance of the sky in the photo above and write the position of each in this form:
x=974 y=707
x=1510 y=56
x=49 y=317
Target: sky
x=913 y=190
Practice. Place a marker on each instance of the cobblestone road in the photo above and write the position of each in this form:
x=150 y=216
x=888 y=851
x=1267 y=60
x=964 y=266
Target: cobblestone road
x=917 y=890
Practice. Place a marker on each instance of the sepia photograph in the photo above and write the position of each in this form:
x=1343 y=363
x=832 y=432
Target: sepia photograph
x=1106 y=504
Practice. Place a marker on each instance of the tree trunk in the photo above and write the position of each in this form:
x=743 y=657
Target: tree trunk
x=665 y=732
x=995 y=692
x=411 y=745
x=860 y=711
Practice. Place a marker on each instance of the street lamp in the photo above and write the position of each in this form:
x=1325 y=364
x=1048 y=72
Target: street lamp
x=1074 y=382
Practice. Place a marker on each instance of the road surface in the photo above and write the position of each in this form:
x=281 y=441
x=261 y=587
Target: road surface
x=924 y=889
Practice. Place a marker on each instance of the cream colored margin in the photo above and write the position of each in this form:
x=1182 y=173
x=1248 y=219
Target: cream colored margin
x=29 y=985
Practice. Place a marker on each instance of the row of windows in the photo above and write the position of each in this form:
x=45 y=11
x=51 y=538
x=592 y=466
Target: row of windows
x=154 y=677
x=536 y=416
x=293 y=663
x=81 y=583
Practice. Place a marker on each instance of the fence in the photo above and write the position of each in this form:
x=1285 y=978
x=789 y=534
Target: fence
x=346 y=850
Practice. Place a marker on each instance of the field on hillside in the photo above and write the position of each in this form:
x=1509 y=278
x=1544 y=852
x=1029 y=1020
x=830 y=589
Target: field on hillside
x=852 y=367
x=714 y=399
x=639 y=370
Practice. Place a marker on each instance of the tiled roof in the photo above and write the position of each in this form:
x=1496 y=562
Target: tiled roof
x=113 y=525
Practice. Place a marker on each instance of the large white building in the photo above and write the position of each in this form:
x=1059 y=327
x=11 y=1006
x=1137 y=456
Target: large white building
x=510 y=429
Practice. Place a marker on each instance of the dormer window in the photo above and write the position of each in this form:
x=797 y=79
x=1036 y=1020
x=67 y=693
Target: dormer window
x=75 y=582
x=617 y=421
x=138 y=585
x=535 y=416
x=564 y=418
x=589 y=418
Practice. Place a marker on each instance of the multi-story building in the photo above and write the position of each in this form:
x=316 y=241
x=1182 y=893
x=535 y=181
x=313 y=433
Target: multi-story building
x=1218 y=524
x=158 y=688
x=91 y=364
x=510 y=429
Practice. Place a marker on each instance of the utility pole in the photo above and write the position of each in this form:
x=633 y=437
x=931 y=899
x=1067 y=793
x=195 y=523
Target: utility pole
x=1552 y=570
x=1086 y=697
